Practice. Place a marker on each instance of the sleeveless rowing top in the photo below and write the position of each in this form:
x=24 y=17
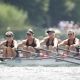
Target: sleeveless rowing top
x=9 y=45
x=69 y=43
x=49 y=42
x=33 y=44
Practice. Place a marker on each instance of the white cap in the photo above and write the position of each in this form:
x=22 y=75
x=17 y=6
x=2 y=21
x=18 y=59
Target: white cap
x=70 y=32
x=30 y=31
x=9 y=33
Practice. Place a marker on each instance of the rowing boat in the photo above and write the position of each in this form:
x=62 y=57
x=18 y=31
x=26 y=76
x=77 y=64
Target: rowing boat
x=38 y=61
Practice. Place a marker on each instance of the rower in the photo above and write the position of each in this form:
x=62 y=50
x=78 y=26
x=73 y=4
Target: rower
x=29 y=44
x=9 y=45
x=50 y=42
x=71 y=43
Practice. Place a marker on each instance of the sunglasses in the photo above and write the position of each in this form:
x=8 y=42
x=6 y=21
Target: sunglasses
x=28 y=34
x=9 y=36
x=70 y=34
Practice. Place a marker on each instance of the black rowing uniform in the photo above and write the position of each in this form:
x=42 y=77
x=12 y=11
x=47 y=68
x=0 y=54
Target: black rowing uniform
x=49 y=42
x=33 y=44
x=70 y=42
x=7 y=44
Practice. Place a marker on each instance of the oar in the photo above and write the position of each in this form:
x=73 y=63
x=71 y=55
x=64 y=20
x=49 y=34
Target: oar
x=54 y=57
x=68 y=50
x=68 y=61
x=45 y=50
x=58 y=58
x=71 y=52
x=74 y=57
x=33 y=53
x=57 y=53
x=3 y=58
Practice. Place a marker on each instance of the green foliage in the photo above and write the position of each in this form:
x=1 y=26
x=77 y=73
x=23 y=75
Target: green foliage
x=48 y=12
x=12 y=18
x=37 y=9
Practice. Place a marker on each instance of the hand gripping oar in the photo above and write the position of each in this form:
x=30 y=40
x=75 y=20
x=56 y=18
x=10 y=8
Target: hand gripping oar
x=68 y=50
x=59 y=58
x=56 y=57
x=71 y=52
x=45 y=50
x=32 y=53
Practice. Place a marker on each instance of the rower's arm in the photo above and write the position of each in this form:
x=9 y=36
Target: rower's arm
x=55 y=42
x=76 y=43
x=15 y=44
x=37 y=43
x=62 y=43
x=2 y=44
x=42 y=42
x=21 y=44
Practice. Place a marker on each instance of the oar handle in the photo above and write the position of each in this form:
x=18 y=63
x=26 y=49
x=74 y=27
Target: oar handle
x=43 y=49
x=23 y=50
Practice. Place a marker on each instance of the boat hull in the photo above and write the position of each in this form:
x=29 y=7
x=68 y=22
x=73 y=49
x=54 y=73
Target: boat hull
x=40 y=62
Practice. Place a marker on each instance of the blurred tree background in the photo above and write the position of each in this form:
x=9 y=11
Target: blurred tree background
x=20 y=14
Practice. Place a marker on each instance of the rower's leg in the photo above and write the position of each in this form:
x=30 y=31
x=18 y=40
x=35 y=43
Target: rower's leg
x=31 y=49
x=51 y=49
x=76 y=50
x=25 y=54
x=42 y=53
x=5 y=52
x=13 y=52
x=9 y=52
x=64 y=53
x=72 y=49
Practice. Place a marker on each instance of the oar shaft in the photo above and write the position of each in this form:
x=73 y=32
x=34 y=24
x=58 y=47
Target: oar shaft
x=68 y=61
x=68 y=50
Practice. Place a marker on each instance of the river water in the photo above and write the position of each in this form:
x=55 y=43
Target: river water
x=39 y=73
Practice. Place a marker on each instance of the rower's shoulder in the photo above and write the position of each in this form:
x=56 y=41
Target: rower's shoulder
x=4 y=41
x=15 y=40
x=56 y=38
x=36 y=38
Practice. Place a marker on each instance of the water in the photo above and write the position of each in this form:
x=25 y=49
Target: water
x=39 y=73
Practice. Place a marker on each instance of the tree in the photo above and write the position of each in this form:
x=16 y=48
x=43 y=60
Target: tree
x=12 y=18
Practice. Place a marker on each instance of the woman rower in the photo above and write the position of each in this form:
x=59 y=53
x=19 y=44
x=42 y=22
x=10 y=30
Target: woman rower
x=9 y=45
x=29 y=44
x=71 y=43
x=50 y=42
